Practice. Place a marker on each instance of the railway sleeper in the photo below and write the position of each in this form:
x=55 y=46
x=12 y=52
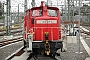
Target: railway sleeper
x=36 y=56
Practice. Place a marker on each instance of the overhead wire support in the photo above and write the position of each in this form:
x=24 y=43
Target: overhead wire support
x=3 y=8
x=65 y=10
x=33 y=3
x=57 y=3
x=79 y=26
x=71 y=15
x=18 y=12
x=25 y=5
x=8 y=18
x=78 y=35
x=49 y=3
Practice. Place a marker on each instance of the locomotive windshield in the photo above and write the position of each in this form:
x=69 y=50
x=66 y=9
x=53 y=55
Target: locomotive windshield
x=37 y=13
x=52 y=12
x=48 y=11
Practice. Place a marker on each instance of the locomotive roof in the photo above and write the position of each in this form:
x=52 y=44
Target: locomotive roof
x=34 y=8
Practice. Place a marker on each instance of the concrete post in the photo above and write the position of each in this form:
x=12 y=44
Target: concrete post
x=8 y=18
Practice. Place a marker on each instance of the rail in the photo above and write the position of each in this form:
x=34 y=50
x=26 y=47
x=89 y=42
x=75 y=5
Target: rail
x=12 y=31
x=22 y=54
x=7 y=42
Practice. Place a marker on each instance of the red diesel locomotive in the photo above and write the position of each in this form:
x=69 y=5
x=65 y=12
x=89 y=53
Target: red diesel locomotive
x=42 y=30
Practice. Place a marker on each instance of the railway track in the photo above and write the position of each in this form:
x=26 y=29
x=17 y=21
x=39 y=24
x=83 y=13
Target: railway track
x=7 y=42
x=40 y=57
x=3 y=32
x=87 y=31
x=10 y=29
x=30 y=56
x=21 y=54
x=85 y=24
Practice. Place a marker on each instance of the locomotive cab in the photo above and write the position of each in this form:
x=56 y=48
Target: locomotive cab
x=42 y=30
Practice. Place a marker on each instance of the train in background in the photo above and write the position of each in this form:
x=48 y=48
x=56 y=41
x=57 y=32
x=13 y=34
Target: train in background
x=42 y=30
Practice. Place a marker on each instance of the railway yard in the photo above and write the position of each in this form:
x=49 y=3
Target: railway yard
x=11 y=49
x=45 y=30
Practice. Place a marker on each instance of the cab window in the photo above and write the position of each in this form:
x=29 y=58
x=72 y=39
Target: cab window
x=52 y=12
x=37 y=13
